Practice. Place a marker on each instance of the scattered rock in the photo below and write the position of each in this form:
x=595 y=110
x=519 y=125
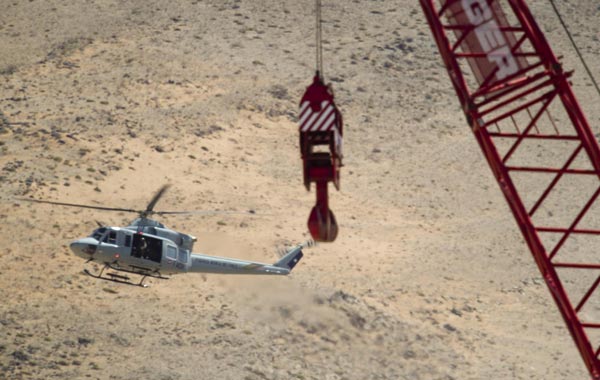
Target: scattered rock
x=12 y=166
x=120 y=340
x=279 y=92
x=8 y=70
x=449 y=327
x=84 y=341
x=203 y=132
x=20 y=356
x=409 y=354
x=68 y=47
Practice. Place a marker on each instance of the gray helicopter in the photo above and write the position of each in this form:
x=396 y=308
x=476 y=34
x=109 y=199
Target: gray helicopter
x=149 y=249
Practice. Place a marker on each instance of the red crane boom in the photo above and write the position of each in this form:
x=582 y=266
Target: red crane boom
x=519 y=104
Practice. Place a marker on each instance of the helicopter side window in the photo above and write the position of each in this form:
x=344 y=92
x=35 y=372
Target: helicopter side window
x=127 y=240
x=172 y=252
x=183 y=257
x=111 y=237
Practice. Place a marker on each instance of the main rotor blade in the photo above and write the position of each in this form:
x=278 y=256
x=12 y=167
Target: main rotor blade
x=207 y=212
x=156 y=198
x=79 y=205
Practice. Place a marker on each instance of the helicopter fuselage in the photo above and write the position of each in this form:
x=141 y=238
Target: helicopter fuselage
x=140 y=252
x=132 y=249
x=149 y=249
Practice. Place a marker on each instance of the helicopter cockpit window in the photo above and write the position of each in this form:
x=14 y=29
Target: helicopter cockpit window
x=97 y=234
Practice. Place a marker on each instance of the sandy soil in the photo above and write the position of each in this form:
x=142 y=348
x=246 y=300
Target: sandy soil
x=104 y=101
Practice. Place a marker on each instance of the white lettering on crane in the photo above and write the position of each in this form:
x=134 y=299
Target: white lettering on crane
x=490 y=37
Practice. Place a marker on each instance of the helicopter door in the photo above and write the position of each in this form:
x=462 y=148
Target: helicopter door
x=147 y=247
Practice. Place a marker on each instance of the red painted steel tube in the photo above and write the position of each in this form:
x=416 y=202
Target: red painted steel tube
x=517 y=97
x=509 y=87
x=576 y=265
x=563 y=230
x=544 y=98
x=581 y=214
x=550 y=170
x=555 y=180
x=540 y=137
x=587 y=295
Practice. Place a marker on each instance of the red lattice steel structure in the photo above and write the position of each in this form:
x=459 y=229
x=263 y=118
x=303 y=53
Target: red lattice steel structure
x=521 y=108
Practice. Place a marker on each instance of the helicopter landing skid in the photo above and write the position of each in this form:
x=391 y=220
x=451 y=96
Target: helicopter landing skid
x=123 y=279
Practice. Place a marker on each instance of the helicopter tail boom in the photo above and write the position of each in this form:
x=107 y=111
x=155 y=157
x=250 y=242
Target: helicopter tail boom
x=214 y=264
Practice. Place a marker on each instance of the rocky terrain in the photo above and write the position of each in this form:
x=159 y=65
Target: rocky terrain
x=103 y=101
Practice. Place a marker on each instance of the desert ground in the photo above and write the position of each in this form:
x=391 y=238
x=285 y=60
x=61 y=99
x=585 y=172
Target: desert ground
x=104 y=101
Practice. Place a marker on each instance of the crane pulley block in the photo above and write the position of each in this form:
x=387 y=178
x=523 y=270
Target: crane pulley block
x=321 y=131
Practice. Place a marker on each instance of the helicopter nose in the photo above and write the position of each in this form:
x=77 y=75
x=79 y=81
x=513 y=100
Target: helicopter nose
x=84 y=247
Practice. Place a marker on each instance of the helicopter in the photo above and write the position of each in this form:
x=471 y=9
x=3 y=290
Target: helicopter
x=147 y=248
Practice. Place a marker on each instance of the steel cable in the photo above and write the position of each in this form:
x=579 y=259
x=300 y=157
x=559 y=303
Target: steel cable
x=319 y=44
x=564 y=25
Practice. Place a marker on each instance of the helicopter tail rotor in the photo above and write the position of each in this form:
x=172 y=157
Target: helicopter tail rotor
x=293 y=255
x=282 y=251
x=309 y=243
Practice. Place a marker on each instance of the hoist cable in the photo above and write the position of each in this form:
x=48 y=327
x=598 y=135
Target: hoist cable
x=319 y=45
x=564 y=25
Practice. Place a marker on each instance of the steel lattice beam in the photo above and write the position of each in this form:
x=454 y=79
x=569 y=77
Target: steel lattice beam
x=514 y=75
